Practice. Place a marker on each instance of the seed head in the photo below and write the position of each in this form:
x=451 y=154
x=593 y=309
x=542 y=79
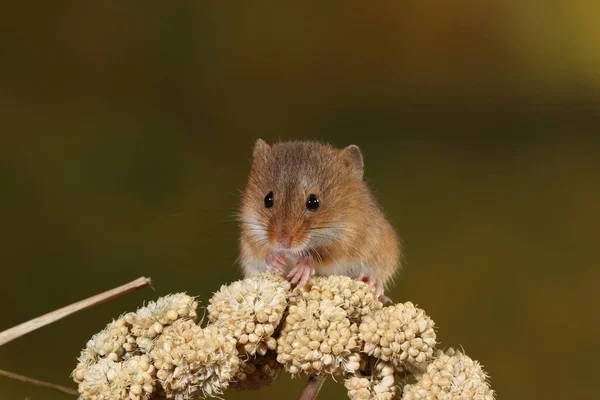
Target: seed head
x=254 y=373
x=318 y=336
x=376 y=383
x=355 y=297
x=132 y=379
x=251 y=309
x=451 y=375
x=401 y=333
x=192 y=361
x=149 y=321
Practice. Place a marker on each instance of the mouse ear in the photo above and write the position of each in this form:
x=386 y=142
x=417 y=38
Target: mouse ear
x=260 y=148
x=354 y=158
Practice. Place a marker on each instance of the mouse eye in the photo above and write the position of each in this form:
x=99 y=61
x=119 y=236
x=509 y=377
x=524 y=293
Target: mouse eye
x=312 y=204
x=269 y=200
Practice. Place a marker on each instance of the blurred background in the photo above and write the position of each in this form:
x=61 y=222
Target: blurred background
x=126 y=134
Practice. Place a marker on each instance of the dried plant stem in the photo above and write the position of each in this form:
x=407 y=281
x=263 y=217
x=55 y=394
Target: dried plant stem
x=312 y=388
x=36 y=382
x=36 y=323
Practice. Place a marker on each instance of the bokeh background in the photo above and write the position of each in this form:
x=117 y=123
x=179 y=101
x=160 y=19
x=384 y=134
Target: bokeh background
x=127 y=128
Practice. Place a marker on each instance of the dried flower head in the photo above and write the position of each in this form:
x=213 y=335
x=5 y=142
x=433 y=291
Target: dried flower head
x=451 y=375
x=317 y=336
x=149 y=321
x=251 y=309
x=192 y=361
x=257 y=372
x=111 y=343
x=355 y=297
x=377 y=383
x=132 y=379
x=401 y=333
x=335 y=325
x=134 y=332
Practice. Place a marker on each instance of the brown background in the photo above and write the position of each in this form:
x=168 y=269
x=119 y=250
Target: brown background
x=126 y=132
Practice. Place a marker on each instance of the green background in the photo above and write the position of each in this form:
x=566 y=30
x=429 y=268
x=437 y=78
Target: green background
x=126 y=133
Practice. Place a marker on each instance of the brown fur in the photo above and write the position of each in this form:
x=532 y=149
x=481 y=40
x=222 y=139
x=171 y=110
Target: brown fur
x=347 y=235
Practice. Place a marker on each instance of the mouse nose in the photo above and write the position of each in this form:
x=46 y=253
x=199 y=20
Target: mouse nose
x=284 y=239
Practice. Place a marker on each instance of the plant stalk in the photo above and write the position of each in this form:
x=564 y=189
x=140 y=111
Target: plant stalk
x=312 y=388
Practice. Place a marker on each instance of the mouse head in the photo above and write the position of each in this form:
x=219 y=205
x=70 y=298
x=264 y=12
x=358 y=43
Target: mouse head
x=302 y=196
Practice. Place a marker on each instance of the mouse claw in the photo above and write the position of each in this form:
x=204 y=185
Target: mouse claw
x=384 y=299
x=301 y=273
x=377 y=285
x=276 y=262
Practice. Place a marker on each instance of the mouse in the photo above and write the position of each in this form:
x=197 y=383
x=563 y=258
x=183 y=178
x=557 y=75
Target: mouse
x=306 y=210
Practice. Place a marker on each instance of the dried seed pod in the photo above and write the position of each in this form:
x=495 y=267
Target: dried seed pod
x=132 y=379
x=149 y=321
x=355 y=297
x=377 y=383
x=251 y=309
x=111 y=343
x=257 y=372
x=451 y=375
x=134 y=332
x=192 y=361
x=317 y=336
x=334 y=325
x=401 y=333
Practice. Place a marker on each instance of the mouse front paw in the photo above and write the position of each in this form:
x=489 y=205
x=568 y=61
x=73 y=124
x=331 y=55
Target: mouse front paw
x=276 y=262
x=301 y=273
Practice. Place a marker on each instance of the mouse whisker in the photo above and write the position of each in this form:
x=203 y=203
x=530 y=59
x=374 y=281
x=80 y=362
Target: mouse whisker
x=309 y=255
x=257 y=235
x=328 y=254
x=254 y=238
x=319 y=257
x=334 y=228
x=335 y=225
x=253 y=244
x=254 y=241
x=231 y=222
x=255 y=229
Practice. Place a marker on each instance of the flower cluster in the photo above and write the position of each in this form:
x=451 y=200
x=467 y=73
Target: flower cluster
x=131 y=379
x=191 y=360
x=260 y=326
x=318 y=336
x=251 y=309
x=376 y=383
x=402 y=334
x=355 y=297
x=148 y=322
x=115 y=363
x=451 y=375
x=257 y=372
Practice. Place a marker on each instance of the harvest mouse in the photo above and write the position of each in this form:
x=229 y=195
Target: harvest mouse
x=307 y=210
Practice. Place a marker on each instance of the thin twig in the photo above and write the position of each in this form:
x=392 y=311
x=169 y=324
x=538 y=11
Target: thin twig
x=36 y=382
x=36 y=323
x=313 y=387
